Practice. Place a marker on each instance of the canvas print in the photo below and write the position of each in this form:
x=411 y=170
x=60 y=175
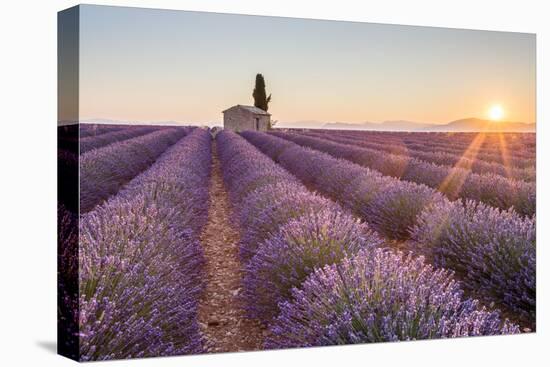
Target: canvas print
x=235 y=183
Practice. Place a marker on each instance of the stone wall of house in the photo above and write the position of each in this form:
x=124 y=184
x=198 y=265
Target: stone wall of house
x=263 y=123
x=240 y=120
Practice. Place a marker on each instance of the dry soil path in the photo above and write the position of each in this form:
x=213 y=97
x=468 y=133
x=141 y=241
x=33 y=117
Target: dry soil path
x=221 y=314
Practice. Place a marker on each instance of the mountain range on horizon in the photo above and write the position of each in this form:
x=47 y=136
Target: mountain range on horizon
x=463 y=125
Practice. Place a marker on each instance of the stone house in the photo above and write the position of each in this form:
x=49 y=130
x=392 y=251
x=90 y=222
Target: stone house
x=240 y=118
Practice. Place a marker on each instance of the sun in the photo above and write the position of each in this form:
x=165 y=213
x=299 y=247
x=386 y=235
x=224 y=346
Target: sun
x=496 y=112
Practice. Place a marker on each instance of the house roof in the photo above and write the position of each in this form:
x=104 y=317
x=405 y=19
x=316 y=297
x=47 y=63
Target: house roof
x=252 y=109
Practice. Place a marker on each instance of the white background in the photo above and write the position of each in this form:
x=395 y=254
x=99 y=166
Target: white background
x=28 y=183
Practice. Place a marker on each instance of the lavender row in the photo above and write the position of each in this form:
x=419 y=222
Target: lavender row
x=93 y=142
x=141 y=264
x=103 y=171
x=290 y=234
x=97 y=129
x=487 y=142
x=455 y=183
x=488 y=147
x=503 y=154
x=396 y=208
x=441 y=158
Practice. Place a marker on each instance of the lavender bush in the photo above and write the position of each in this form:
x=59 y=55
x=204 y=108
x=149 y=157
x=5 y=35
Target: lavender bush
x=103 y=171
x=380 y=297
x=395 y=209
x=501 y=193
x=139 y=281
x=493 y=250
x=265 y=199
x=284 y=260
x=360 y=193
x=281 y=209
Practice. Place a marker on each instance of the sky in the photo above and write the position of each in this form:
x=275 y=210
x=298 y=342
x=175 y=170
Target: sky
x=161 y=65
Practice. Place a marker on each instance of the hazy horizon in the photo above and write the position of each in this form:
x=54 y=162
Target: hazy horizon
x=461 y=125
x=162 y=65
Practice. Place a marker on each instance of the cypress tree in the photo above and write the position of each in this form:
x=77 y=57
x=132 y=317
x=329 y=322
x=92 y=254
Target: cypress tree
x=259 y=94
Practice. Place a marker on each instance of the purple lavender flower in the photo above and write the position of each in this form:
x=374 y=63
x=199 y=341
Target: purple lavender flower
x=141 y=265
x=394 y=207
x=266 y=223
x=97 y=141
x=394 y=210
x=103 y=171
x=456 y=182
x=283 y=261
x=379 y=297
x=493 y=250
x=425 y=154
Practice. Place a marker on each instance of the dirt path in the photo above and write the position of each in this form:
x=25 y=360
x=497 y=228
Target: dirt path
x=221 y=314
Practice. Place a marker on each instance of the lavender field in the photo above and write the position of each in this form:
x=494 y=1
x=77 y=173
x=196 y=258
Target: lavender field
x=185 y=243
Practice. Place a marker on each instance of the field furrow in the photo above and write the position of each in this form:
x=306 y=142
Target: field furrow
x=221 y=314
